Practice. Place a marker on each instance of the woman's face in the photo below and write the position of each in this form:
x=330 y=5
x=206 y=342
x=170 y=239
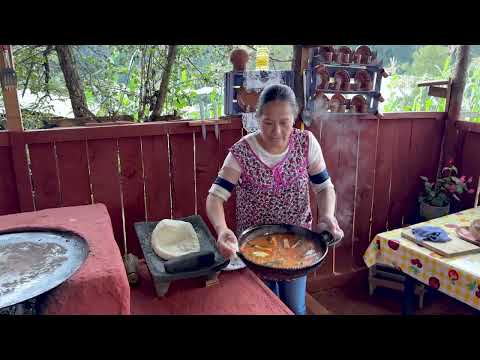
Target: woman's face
x=276 y=123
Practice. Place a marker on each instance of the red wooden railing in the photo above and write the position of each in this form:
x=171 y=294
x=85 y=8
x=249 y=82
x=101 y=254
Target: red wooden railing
x=468 y=156
x=139 y=171
x=160 y=170
x=9 y=203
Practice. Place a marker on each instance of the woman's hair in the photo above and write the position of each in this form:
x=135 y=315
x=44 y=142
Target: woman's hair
x=277 y=92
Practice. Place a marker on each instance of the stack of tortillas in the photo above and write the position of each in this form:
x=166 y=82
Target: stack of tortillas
x=173 y=238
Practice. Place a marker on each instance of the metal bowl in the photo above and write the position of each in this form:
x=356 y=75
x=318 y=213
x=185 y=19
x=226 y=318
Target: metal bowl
x=324 y=239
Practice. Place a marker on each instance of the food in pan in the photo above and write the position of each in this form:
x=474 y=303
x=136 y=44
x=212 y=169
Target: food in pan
x=281 y=251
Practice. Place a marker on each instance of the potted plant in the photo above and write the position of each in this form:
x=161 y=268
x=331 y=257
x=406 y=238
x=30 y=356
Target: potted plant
x=437 y=196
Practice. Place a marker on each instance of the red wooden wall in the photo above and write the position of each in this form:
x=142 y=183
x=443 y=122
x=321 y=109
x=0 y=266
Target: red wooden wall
x=140 y=171
x=8 y=189
x=160 y=170
x=375 y=166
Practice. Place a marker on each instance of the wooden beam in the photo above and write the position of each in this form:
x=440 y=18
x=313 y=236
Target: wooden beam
x=10 y=98
x=299 y=64
x=433 y=82
x=297 y=75
x=468 y=126
x=437 y=91
x=455 y=102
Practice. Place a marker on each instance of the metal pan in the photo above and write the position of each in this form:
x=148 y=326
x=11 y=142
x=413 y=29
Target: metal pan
x=35 y=261
x=324 y=239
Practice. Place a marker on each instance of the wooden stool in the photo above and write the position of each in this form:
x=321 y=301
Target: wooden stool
x=388 y=277
x=130 y=262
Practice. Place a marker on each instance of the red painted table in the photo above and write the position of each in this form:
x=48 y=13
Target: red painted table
x=237 y=293
x=100 y=286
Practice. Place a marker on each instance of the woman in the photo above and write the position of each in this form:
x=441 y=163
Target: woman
x=272 y=169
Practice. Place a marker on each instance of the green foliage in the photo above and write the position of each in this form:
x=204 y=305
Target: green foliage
x=122 y=79
x=431 y=62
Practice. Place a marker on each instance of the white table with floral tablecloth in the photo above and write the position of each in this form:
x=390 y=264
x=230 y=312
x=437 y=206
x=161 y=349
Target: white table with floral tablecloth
x=458 y=277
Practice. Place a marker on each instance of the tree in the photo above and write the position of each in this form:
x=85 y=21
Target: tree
x=72 y=81
x=428 y=61
x=162 y=92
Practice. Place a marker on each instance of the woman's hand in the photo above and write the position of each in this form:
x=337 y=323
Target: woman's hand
x=330 y=224
x=227 y=243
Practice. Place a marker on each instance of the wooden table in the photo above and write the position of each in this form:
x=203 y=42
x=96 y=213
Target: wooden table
x=236 y=293
x=100 y=286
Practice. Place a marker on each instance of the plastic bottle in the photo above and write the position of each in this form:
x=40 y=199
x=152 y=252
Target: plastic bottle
x=262 y=59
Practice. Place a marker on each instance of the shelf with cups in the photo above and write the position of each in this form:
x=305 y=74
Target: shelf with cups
x=352 y=77
x=366 y=97
x=377 y=67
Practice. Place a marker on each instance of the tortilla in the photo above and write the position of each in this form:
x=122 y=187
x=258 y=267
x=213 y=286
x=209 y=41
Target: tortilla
x=174 y=238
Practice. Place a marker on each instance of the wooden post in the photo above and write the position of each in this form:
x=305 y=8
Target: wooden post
x=455 y=103
x=299 y=64
x=10 y=98
x=297 y=74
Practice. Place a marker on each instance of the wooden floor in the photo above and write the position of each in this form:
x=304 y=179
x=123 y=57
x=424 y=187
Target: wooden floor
x=355 y=300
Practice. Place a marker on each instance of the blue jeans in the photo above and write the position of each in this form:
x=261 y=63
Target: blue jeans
x=292 y=293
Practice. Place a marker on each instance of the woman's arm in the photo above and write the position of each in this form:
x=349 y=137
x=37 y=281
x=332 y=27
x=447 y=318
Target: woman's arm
x=326 y=200
x=217 y=197
x=226 y=240
x=323 y=188
x=216 y=213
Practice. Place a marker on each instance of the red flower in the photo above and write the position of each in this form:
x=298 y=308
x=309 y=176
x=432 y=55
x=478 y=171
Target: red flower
x=463 y=178
x=450 y=162
x=393 y=245
x=453 y=275
x=417 y=263
x=434 y=282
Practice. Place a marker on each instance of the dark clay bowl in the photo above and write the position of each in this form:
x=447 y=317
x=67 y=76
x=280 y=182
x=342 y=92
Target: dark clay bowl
x=324 y=239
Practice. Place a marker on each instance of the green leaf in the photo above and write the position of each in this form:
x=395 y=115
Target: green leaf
x=428 y=104
x=455 y=180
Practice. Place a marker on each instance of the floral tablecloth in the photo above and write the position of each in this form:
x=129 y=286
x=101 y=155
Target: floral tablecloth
x=458 y=277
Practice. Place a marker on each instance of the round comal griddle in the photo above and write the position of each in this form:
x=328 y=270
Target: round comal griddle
x=36 y=261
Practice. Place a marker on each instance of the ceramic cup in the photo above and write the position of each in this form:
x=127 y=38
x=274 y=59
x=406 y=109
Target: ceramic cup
x=328 y=57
